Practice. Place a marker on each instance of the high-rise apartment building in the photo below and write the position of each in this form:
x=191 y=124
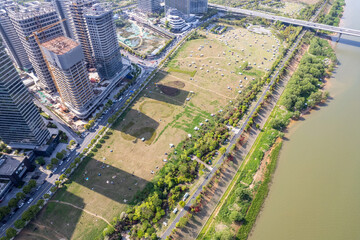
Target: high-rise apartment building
x=29 y=19
x=149 y=6
x=62 y=8
x=77 y=22
x=10 y=38
x=20 y=122
x=188 y=6
x=104 y=42
x=66 y=60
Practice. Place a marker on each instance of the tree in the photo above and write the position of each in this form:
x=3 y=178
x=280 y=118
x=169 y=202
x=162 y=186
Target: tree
x=10 y=233
x=20 y=195
x=49 y=166
x=222 y=150
x=40 y=203
x=60 y=155
x=182 y=203
x=32 y=183
x=19 y=224
x=46 y=196
x=40 y=161
x=62 y=177
x=13 y=202
x=54 y=161
x=72 y=142
x=236 y=216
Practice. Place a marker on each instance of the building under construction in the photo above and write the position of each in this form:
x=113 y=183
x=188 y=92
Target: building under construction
x=104 y=42
x=67 y=64
x=30 y=18
x=76 y=10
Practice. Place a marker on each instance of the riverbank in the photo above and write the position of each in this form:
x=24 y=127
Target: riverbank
x=224 y=222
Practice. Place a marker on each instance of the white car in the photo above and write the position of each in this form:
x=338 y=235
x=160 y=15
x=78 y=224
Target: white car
x=30 y=200
x=63 y=170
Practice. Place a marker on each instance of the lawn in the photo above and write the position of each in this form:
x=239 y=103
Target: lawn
x=203 y=77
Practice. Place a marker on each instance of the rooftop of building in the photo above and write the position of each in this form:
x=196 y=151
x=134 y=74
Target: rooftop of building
x=29 y=10
x=10 y=163
x=60 y=45
x=98 y=9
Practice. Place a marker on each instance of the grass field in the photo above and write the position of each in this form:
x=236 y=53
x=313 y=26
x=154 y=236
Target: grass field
x=203 y=77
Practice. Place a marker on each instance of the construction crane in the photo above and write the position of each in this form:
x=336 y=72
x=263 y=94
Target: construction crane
x=35 y=35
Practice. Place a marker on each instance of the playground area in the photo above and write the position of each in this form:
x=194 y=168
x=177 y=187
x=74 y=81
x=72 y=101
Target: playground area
x=141 y=39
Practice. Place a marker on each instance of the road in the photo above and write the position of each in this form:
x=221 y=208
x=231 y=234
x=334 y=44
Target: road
x=313 y=25
x=58 y=122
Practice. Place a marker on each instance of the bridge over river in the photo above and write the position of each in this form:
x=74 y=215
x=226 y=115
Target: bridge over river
x=313 y=25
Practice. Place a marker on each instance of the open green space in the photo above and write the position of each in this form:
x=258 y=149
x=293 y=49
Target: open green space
x=174 y=108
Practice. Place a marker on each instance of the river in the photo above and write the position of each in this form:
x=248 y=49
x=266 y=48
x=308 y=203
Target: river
x=315 y=192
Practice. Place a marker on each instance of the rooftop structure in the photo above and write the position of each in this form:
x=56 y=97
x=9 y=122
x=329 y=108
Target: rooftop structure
x=31 y=18
x=12 y=169
x=104 y=42
x=20 y=122
x=149 y=6
x=67 y=62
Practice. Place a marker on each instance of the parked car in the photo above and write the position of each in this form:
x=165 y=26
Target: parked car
x=21 y=204
x=30 y=200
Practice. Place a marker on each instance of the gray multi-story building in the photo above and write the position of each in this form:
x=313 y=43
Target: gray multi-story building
x=104 y=42
x=149 y=6
x=70 y=74
x=20 y=122
x=78 y=25
x=188 y=6
x=63 y=8
x=31 y=18
x=10 y=38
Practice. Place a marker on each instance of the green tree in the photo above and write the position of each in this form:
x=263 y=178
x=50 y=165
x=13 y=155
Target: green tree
x=19 y=224
x=49 y=166
x=236 y=216
x=222 y=150
x=40 y=161
x=10 y=233
x=62 y=177
x=20 y=195
x=13 y=202
x=32 y=183
x=60 y=155
x=54 y=161
x=182 y=203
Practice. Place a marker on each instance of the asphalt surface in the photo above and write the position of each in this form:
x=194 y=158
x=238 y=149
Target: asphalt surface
x=318 y=26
